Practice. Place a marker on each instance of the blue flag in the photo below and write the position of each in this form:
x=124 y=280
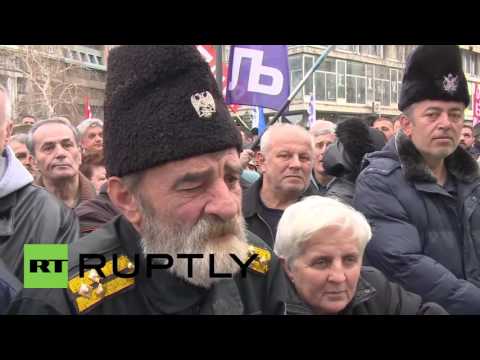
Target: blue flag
x=259 y=120
x=258 y=75
x=312 y=112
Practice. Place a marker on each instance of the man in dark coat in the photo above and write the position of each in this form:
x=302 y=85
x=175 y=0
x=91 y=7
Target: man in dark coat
x=285 y=161
x=421 y=192
x=172 y=156
x=344 y=157
x=28 y=214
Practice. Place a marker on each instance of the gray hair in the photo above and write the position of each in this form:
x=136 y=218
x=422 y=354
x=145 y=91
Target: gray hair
x=7 y=111
x=322 y=127
x=88 y=123
x=303 y=219
x=19 y=138
x=266 y=139
x=55 y=120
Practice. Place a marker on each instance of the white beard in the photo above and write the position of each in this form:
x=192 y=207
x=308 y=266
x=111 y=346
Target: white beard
x=173 y=239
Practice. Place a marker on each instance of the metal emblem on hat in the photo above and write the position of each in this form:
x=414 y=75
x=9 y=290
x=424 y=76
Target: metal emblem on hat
x=204 y=104
x=450 y=83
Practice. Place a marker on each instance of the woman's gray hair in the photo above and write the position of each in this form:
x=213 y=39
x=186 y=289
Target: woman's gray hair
x=88 y=123
x=303 y=219
x=7 y=111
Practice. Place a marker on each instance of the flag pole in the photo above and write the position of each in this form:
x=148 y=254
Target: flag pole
x=296 y=90
x=219 y=67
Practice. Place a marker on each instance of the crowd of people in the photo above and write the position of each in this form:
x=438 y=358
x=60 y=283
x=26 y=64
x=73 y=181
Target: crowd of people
x=338 y=219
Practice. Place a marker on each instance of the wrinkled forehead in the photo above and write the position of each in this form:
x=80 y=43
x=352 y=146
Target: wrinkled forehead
x=220 y=160
x=53 y=132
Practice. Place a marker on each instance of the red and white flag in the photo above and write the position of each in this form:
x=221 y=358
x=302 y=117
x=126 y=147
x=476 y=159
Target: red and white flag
x=210 y=54
x=87 y=111
x=476 y=105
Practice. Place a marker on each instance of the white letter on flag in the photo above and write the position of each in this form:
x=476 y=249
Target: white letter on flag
x=256 y=71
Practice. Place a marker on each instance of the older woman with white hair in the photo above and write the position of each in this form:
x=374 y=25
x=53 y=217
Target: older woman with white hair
x=321 y=242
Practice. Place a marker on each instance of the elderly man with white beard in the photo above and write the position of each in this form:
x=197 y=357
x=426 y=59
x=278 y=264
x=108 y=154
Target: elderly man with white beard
x=180 y=245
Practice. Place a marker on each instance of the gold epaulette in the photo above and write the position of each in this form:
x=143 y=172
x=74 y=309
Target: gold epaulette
x=91 y=289
x=262 y=262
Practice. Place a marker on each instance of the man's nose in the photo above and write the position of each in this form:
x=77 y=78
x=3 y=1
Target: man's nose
x=224 y=202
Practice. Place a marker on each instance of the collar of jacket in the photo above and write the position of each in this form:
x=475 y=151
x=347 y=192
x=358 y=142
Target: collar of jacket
x=296 y=306
x=251 y=199
x=460 y=163
x=314 y=183
x=86 y=188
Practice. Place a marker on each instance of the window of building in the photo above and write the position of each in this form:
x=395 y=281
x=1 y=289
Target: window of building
x=356 y=82
x=83 y=56
x=325 y=79
x=370 y=83
x=398 y=52
x=92 y=58
x=382 y=85
x=341 y=68
x=307 y=65
x=75 y=55
x=394 y=85
x=100 y=60
x=470 y=63
x=349 y=48
x=296 y=73
x=371 y=50
x=66 y=53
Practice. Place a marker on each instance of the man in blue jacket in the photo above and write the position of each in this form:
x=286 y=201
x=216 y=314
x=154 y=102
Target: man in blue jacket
x=421 y=192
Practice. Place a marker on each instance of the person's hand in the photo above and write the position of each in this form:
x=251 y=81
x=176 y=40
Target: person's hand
x=245 y=157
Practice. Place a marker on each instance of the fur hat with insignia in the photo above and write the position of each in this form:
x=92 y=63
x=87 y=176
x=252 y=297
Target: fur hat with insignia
x=343 y=158
x=434 y=72
x=162 y=104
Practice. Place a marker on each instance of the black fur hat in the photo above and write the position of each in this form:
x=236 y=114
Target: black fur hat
x=354 y=140
x=434 y=72
x=162 y=104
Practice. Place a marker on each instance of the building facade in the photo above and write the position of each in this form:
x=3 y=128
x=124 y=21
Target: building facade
x=46 y=80
x=360 y=81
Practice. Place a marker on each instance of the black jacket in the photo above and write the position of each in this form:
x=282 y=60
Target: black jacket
x=425 y=239
x=253 y=211
x=262 y=291
x=375 y=295
x=94 y=213
x=31 y=215
x=9 y=287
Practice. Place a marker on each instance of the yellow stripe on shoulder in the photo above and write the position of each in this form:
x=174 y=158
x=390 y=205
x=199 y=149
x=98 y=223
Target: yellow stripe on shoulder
x=76 y=282
x=262 y=262
x=91 y=288
x=107 y=289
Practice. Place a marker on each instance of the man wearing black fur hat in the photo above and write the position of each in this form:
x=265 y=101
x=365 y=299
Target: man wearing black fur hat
x=421 y=192
x=172 y=155
x=343 y=158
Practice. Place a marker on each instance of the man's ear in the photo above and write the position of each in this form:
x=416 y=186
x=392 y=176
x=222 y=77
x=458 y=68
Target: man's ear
x=260 y=161
x=286 y=268
x=124 y=200
x=406 y=124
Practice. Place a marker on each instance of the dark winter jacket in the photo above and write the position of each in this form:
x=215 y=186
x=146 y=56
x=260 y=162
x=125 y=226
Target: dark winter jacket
x=262 y=291
x=424 y=238
x=94 y=213
x=9 y=287
x=375 y=295
x=253 y=211
x=29 y=215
